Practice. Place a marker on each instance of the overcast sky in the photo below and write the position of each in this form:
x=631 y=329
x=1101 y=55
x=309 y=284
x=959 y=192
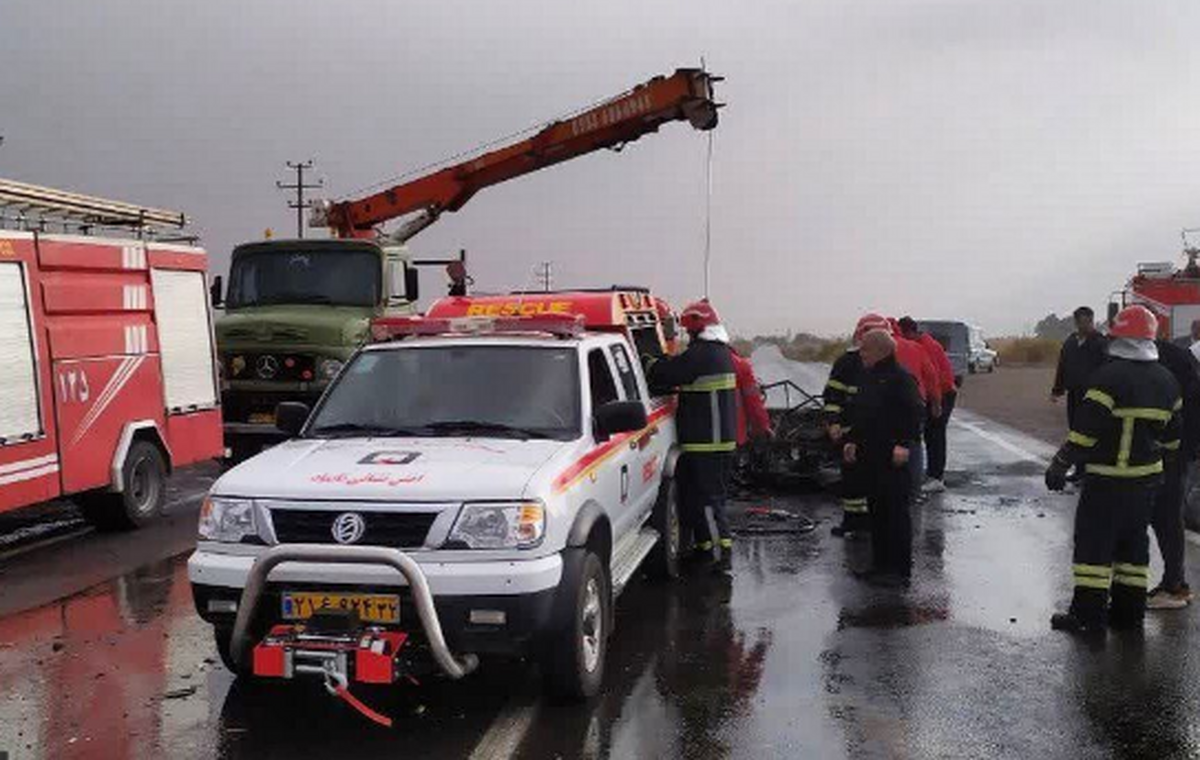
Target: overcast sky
x=990 y=160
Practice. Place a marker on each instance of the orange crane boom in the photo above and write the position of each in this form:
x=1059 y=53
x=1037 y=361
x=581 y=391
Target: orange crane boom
x=686 y=94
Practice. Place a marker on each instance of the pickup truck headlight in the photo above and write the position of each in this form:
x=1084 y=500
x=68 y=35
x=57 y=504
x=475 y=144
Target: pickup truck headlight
x=330 y=368
x=509 y=525
x=227 y=520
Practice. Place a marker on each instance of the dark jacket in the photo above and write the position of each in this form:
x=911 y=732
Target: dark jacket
x=1184 y=369
x=887 y=412
x=844 y=379
x=1129 y=416
x=1077 y=361
x=704 y=377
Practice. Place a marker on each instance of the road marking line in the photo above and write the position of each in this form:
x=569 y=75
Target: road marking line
x=504 y=736
x=1002 y=443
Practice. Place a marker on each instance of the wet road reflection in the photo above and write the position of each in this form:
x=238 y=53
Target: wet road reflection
x=793 y=657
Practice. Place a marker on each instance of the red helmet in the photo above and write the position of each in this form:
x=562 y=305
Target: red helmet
x=698 y=316
x=869 y=322
x=1135 y=322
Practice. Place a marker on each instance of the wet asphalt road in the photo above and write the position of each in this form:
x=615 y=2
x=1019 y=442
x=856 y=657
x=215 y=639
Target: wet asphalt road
x=792 y=658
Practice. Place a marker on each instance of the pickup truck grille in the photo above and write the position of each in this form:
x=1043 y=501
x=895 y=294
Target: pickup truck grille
x=397 y=530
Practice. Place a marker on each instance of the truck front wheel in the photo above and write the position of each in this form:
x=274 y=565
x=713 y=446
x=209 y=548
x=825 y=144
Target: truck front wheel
x=145 y=482
x=663 y=562
x=573 y=659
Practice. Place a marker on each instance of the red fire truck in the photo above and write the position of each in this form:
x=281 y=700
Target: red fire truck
x=108 y=374
x=1173 y=294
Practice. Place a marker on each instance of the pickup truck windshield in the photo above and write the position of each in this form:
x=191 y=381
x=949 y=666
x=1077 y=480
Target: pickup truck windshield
x=330 y=277
x=478 y=391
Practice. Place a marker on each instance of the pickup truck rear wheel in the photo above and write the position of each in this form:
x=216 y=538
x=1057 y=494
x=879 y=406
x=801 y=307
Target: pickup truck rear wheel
x=573 y=659
x=663 y=562
x=140 y=502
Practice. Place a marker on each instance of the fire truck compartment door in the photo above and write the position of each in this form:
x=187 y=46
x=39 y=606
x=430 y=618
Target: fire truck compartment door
x=181 y=311
x=19 y=411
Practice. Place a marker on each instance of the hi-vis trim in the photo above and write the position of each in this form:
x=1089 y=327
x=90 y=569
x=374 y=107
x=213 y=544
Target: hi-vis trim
x=134 y=297
x=48 y=467
x=137 y=341
x=129 y=365
x=28 y=464
x=133 y=257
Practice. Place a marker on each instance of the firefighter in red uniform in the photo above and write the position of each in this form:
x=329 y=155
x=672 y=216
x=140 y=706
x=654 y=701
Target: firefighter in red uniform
x=1126 y=422
x=845 y=379
x=706 y=421
x=753 y=421
x=947 y=390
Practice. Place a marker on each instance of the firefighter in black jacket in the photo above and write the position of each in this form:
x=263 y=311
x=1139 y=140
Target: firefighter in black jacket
x=886 y=424
x=706 y=422
x=1127 y=422
x=845 y=378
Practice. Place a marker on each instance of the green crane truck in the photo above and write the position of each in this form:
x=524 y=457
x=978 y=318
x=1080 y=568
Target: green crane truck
x=294 y=312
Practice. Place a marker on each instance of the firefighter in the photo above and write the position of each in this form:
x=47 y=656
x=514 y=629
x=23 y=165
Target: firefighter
x=845 y=379
x=935 y=427
x=706 y=420
x=1125 y=422
x=886 y=425
x=1173 y=592
x=753 y=420
x=912 y=356
x=1082 y=354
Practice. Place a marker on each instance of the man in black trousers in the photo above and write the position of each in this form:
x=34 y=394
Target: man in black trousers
x=887 y=418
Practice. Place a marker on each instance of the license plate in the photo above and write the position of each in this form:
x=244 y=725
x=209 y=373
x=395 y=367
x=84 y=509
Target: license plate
x=371 y=608
x=263 y=418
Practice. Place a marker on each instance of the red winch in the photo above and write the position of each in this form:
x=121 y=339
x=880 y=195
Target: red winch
x=370 y=654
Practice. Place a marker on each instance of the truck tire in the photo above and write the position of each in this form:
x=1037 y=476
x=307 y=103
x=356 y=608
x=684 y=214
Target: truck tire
x=222 y=637
x=140 y=503
x=573 y=657
x=663 y=562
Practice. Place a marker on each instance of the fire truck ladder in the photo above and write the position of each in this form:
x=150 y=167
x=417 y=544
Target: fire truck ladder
x=35 y=207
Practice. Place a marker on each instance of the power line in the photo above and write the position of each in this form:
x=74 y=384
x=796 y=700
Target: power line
x=300 y=204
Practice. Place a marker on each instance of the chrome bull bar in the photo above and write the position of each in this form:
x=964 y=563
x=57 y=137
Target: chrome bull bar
x=256 y=582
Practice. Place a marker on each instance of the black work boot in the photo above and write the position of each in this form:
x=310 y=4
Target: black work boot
x=1068 y=622
x=1127 y=608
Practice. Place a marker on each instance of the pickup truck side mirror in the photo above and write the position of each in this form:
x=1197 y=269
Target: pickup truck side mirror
x=619 y=417
x=290 y=417
x=214 y=291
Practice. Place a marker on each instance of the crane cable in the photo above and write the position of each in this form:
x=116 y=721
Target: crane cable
x=708 y=180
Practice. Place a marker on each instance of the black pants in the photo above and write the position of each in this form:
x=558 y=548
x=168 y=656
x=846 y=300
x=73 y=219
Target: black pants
x=853 y=492
x=1168 y=523
x=703 y=482
x=1112 y=550
x=889 y=498
x=935 y=439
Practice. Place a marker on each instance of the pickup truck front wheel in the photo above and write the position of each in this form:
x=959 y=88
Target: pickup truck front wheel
x=573 y=659
x=222 y=637
x=663 y=562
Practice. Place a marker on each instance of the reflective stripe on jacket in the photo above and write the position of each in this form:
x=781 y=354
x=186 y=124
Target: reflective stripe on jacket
x=704 y=378
x=1128 y=419
x=845 y=377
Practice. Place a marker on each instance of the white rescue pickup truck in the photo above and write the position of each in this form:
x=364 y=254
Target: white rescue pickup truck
x=476 y=487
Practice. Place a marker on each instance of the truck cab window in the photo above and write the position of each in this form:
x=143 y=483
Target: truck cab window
x=600 y=377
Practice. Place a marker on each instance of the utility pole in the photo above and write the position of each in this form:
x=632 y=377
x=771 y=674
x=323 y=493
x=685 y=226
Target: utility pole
x=300 y=204
x=545 y=275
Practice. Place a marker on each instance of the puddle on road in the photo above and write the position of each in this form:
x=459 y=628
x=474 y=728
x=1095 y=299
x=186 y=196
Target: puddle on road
x=891 y=615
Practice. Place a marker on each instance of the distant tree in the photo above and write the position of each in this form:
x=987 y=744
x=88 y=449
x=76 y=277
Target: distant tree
x=1053 y=327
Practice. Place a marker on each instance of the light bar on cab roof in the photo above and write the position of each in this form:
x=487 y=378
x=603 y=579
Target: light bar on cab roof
x=394 y=328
